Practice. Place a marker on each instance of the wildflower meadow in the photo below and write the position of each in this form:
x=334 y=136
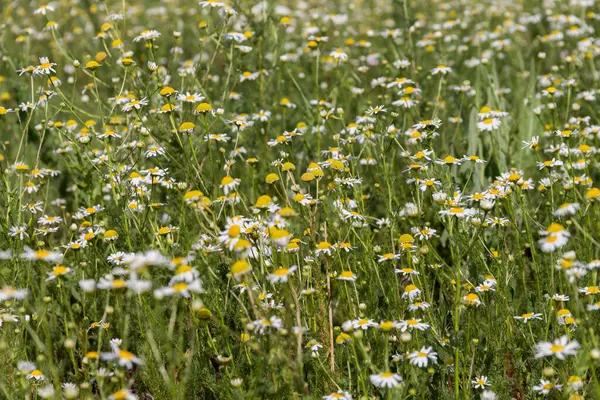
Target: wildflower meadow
x=299 y=199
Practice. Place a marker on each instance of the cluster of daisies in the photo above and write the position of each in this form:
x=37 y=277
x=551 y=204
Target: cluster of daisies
x=224 y=199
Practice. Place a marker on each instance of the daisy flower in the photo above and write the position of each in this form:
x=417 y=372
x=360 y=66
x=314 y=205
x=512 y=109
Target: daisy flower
x=123 y=357
x=489 y=124
x=262 y=325
x=528 y=317
x=346 y=276
x=411 y=292
x=135 y=104
x=339 y=395
x=589 y=290
x=190 y=97
x=418 y=305
x=388 y=257
x=324 y=248
x=9 y=293
x=229 y=184
x=363 y=323
x=545 y=387
x=549 y=163
x=43 y=9
x=459 y=212
x=566 y=209
x=212 y=4
x=123 y=394
x=560 y=348
x=387 y=380
x=480 y=382
x=41 y=255
x=58 y=271
x=18 y=231
x=422 y=357
x=147 y=35
x=449 y=160
x=36 y=375
x=281 y=274
x=441 y=69
x=472 y=299
x=406 y=271
x=552 y=242
x=339 y=55
x=181 y=288
x=45 y=67
x=412 y=324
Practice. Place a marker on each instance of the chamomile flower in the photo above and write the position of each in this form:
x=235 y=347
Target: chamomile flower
x=181 y=288
x=36 y=375
x=190 y=97
x=364 y=323
x=459 y=212
x=528 y=317
x=549 y=163
x=489 y=124
x=388 y=257
x=212 y=4
x=9 y=293
x=45 y=67
x=339 y=395
x=44 y=8
x=58 y=271
x=589 y=290
x=346 y=276
x=148 y=34
x=560 y=348
x=281 y=274
x=50 y=220
x=412 y=324
x=418 y=305
x=41 y=255
x=545 y=387
x=552 y=242
x=423 y=357
x=480 y=382
x=264 y=325
x=411 y=292
x=19 y=231
x=123 y=358
x=123 y=394
x=388 y=380
x=229 y=184
x=339 y=55
x=566 y=209
x=472 y=299
x=441 y=69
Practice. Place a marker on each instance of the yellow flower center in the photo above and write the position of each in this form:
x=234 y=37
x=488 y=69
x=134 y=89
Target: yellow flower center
x=556 y=348
x=183 y=269
x=234 y=231
x=59 y=270
x=179 y=287
x=126 y=355
x=449 y=159
x=42 y=254
x=118 y=283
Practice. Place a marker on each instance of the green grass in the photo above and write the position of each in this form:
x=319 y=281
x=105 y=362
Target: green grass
x=293 y=229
